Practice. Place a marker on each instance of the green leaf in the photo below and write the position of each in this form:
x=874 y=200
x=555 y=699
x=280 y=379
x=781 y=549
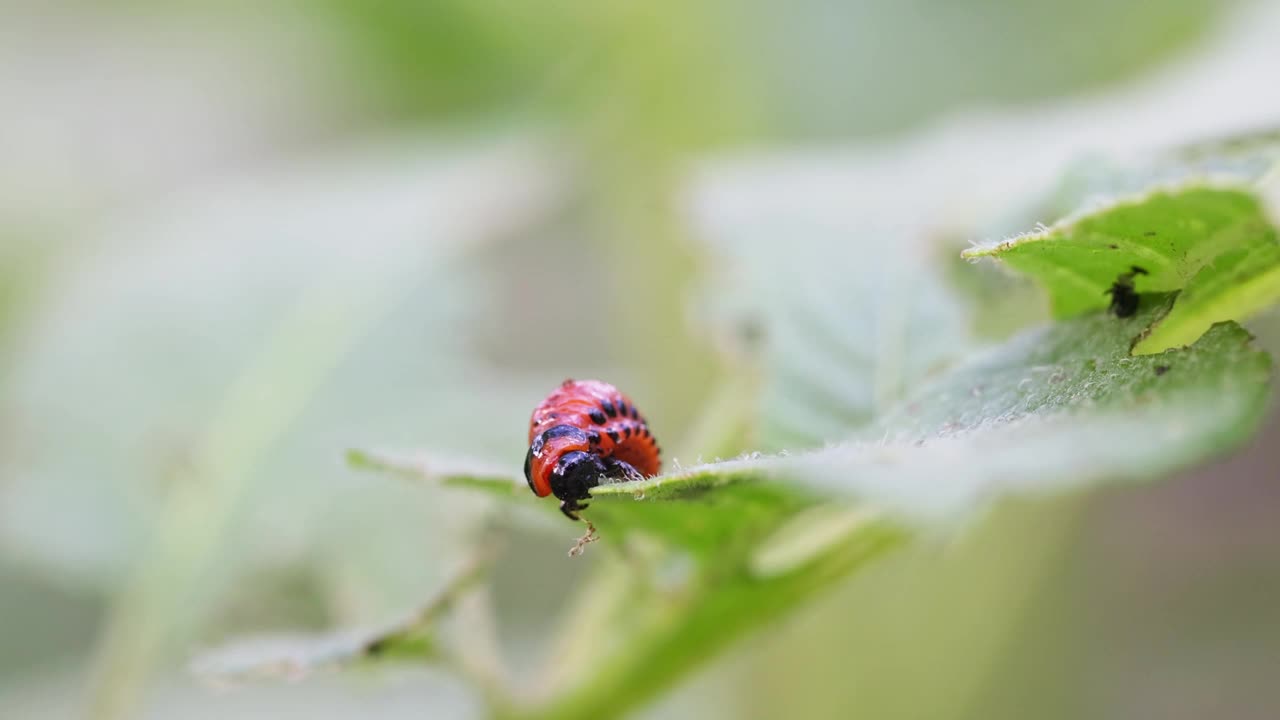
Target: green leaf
x=1171 y=234
x=731 y=545
x=1194 y=220
x=858 y=345
x=1053 y=407
x=1236 y=284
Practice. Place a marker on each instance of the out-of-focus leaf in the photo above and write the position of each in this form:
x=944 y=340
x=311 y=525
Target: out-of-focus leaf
x=834 y=300
x=174 y=306
x=962 y=55
x=412 y=639
x=203 y=358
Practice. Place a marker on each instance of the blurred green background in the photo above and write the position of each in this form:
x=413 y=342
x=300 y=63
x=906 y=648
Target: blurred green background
x=236 y=240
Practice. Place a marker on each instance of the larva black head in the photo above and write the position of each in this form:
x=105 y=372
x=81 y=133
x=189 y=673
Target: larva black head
x=575 y=474
x=539 y=447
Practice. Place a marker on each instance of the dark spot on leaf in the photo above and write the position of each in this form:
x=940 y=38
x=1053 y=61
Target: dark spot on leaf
x=1124 y=299
x=1114 y=246
x=1149 y=233
x=1161 y=369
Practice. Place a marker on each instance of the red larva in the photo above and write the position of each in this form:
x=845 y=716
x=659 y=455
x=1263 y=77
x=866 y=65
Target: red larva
x=583 y=431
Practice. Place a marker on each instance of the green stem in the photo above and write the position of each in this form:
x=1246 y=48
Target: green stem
x=703 y=624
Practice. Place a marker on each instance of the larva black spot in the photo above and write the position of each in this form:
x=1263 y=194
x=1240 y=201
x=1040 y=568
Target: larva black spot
x=613 y=435
x=597 y=417
x=555 y=432
x=609 y=409
x=622 y=408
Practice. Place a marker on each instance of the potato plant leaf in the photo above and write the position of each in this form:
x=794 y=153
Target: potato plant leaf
x=894 y=422
x=1051 y=407
x=1194 y=221
x=733 y=544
